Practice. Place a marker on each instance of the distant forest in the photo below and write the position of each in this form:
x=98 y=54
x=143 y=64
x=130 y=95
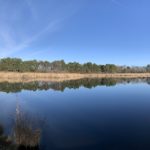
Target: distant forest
x=18 y=65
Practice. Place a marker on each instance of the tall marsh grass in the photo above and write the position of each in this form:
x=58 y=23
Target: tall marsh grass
x=25 y=77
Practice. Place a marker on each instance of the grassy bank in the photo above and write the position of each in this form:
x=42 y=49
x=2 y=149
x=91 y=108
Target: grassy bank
x=27 y=77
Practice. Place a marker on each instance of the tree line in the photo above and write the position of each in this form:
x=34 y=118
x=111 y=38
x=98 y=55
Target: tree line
x=18 y=65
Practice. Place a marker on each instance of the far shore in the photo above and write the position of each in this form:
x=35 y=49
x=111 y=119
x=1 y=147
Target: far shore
x=59 y=77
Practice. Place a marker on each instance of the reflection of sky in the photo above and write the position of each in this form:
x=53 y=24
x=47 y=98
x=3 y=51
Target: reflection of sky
x=7 y=109
x=86 y=117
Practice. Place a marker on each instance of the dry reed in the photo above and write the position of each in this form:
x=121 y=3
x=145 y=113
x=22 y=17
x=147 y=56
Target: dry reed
x=27 y=77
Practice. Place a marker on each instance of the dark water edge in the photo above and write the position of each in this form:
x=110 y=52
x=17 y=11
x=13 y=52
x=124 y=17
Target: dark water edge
x=72 y=84
x=88 y=114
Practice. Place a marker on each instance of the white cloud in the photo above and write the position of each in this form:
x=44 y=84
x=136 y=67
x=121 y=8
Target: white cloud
x=13 y=48
x=14 y=37
x=21 y=24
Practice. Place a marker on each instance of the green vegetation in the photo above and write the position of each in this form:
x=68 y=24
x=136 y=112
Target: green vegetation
x=17 y=65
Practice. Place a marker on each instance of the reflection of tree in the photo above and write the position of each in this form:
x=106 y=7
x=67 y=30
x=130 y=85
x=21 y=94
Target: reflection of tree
x=148 y=81
x=60 y=86
x=5 y=142
x=25 y=134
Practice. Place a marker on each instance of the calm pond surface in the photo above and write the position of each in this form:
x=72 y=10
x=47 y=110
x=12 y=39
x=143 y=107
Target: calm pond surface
x=88 y=114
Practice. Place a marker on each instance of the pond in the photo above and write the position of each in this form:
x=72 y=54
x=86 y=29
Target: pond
x=85 y=114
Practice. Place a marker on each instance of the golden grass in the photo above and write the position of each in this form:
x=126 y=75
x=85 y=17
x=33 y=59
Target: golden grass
x=27 y=77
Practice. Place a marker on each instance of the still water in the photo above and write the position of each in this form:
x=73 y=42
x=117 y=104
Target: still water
x=96 y=114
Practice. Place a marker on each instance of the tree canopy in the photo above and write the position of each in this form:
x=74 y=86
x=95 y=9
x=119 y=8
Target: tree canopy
x=18 y=65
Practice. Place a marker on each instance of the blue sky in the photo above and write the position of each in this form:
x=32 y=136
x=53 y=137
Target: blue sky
x=100 y=31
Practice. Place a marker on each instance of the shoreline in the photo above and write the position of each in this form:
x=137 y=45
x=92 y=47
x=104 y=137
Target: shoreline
x=59 y=77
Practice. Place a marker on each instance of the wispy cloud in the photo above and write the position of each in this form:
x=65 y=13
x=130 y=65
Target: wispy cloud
x=32 y=9
x=28 y=26
x=12 y=47
x=118 y=3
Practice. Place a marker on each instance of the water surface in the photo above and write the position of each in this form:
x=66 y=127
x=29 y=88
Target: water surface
x=90 y=114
